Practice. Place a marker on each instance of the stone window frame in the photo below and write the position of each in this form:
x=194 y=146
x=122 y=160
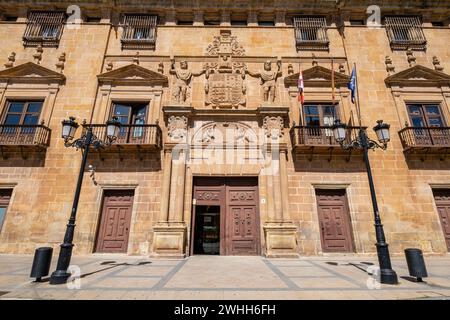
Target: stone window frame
x=31 y=38
x=320 y=95
x=31 y=92
x=108 y=95
x=403 y=98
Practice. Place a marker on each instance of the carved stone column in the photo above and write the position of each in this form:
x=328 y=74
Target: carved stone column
x=170 y=233
x=279 y=231
x=165 y=189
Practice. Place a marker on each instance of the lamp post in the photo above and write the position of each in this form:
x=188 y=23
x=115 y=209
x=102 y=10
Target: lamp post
x=88 y=139
x=387 y=274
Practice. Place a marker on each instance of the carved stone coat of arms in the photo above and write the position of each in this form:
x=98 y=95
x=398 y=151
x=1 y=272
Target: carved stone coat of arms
x=225 y=87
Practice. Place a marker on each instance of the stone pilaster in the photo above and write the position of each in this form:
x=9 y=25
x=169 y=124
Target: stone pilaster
x=279 y=231
x=169 y=237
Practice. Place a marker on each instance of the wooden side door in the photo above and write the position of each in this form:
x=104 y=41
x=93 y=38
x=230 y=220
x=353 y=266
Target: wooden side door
x=115 y=221
x=334 y=220
x=442 y=199
x=242 y=221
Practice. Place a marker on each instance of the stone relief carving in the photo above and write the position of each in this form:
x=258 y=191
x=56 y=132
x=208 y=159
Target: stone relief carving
x=183 y=76
x=225 y=78
x=268 y=79
x=390 y=68
x=437 y=64
x=177 y=127
x=11 y=60
x=234 y=133
x=273 y=127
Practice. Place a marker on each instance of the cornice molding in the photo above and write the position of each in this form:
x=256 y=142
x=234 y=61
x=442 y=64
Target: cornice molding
x=317 y=76
x=418 y=76
x=133 y=75
x=31 y=72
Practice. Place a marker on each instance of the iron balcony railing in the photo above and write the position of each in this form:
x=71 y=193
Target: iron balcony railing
x=24 y=135
x=44 y=28
x=135 y=134
x=139 y=31
x=405 y=32
x=311 y=33
x=425 y=137
x=305 y=136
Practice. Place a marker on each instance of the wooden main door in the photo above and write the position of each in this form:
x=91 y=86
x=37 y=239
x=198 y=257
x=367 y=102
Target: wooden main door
x=237 y=199
x=334 y=220
x=442 y=199
x=115 y=221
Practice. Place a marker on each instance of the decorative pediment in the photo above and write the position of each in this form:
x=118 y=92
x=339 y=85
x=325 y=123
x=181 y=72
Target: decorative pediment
x=31 y=72
x=133 y=75
x=418 y=76
x=317 y=76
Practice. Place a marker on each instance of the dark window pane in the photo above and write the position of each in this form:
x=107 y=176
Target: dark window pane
x=238 y=22
x=312 y=121
x=266 y=23
x=12 y=119
x=433 y=110
x=34 y=107
x=329 y=111
x=121 y=110
x=30 y=119
x=435 y=122
x=16 y=107
x=311 y=110
x=417 y=122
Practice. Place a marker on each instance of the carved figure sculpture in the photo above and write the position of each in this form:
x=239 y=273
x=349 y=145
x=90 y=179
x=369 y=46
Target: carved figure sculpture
x=183 y=79
x=268 y=79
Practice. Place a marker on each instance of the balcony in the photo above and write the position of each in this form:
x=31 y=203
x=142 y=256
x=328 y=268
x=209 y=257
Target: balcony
x=23 y=137
x=136 y=137
x=319 y=140
x=425 y=139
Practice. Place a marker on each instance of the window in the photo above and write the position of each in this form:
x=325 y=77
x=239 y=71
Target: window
x=238 y=22
x=310 y=33
x=139 y=31
x=319 y=115
x=11 y=18
x=5 y=197
x=266 y=23
x=425 y=115
x=438 y=24
x=93 y=19
x=212 y=23
x=132 y=116
x=357 y=23
x=405 y=32
x=22 y=113
x=21 y=117
x=44 y=27
x=185 y=22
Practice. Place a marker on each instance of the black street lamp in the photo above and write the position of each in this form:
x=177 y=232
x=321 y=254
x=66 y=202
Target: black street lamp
x=388 y=275
x=88 y=139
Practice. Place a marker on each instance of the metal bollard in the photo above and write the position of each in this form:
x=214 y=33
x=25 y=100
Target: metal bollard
x=41 y=263
x=416 y=263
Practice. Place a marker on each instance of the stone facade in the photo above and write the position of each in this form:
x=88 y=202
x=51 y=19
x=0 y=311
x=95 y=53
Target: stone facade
x=182 y=78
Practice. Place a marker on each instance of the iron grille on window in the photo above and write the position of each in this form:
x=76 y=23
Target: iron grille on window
x=405 y=32
x=139 y=31
x=44 y=28
x=311 y=33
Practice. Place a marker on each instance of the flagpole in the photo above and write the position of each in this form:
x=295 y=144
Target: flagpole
x=358 y=110
x=333 y=98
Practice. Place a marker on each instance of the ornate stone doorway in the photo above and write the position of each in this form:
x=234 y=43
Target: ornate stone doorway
x=225 y=210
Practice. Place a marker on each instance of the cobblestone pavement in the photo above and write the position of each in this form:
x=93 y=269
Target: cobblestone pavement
x=220 y=277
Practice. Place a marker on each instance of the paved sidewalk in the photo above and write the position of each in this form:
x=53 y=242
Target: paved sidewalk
x=220 y=277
